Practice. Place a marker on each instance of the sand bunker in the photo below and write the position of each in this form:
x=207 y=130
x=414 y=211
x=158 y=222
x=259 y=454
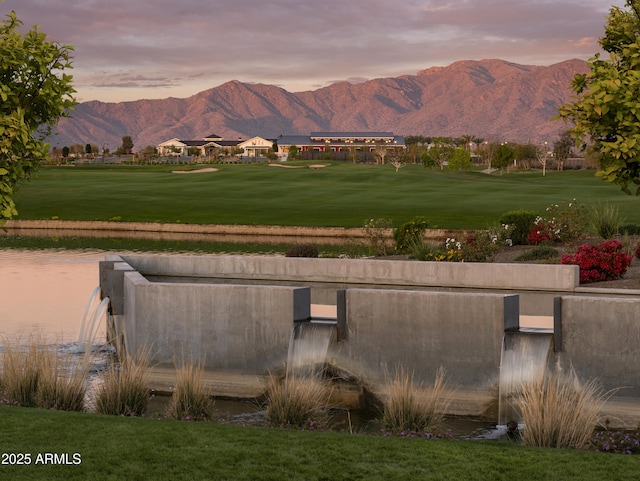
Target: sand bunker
x=312 y=166
x=199 y=171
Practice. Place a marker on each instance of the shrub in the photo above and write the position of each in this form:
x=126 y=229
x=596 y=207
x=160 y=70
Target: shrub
x=125 y=387
x=543 y=232
x=190 y=400
x=376 y=231
x=297 y=402
x=636 y=250
x=569 y=219
x=426 y=251
x=411 y=409
x=605 y=221
x=517 y=224
x=559 y=412
x=539 y=253
x=480 y=246
x=302 y=250
x=630 y=229
x=604 y=262
x=410 y=233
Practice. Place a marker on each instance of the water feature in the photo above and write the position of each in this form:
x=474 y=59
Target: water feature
x=95 y=315
x=524 y=359
x=308 y=346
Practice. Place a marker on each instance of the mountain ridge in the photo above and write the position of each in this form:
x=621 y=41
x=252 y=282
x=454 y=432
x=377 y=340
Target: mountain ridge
x=492 y=99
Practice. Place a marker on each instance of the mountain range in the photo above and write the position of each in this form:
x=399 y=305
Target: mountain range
x=491 y=99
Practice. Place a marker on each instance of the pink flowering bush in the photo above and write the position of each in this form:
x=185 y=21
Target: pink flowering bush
x=603 y=262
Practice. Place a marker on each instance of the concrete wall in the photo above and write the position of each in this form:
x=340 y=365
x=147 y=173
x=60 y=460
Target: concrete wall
x=600 y=339
x=364 y=271
x=423 y=331
x=243 y=328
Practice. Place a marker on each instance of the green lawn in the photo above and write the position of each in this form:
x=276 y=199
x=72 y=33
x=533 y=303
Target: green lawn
x=338 y=195
x=116 y=448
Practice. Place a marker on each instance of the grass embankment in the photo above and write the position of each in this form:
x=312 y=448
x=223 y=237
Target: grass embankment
x=342 y=195
x=141 y=448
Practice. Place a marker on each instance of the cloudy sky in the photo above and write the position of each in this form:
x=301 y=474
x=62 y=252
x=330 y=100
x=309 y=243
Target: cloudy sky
x=134 y=49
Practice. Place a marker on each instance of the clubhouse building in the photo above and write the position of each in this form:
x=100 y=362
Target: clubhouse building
x=354 y=146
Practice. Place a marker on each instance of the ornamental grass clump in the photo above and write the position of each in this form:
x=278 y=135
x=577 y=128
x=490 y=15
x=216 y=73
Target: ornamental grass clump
x=21 y=370
x=409 y=408
x=190 y=400
x=124 y=390
x=297 y=402
x=559 y=411
x=36 y=375
x=605 y=221
x=61 y=384
x=604 y=262
x=410 y=233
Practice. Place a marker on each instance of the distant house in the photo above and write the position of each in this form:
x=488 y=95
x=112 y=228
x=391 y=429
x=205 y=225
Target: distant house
x=254 y=147
x=180 y=148
x=352 y=145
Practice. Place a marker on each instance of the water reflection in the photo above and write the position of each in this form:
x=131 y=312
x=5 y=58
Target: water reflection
x=46 y=291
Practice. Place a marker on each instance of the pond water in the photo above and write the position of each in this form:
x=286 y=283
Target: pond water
x=46 y=291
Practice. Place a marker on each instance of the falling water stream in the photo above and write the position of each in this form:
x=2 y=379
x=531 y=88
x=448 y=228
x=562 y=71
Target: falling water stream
x=524 y=359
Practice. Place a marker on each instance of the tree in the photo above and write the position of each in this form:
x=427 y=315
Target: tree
x=487 y=152
x=504 y=157
x=127 y=145
x=563 y=148
x=542 y=154
x=398 y=158
x=460 y=159
x=76 y=150
x=606 y=112
x=87 y=149
x=525 y=154
x=34 y=94
x=380 y=152
x=294 y=152
x=437 y=155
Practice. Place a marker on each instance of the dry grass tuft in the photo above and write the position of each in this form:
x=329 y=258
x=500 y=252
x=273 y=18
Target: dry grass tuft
x=559 y=411
x=61 y=384
x=297 y=402
x=21 y=368
x=125 y=387
x=36 y=375
x=411 y=408
x=191 y=400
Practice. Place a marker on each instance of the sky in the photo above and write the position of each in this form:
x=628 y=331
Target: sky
x=148 y=49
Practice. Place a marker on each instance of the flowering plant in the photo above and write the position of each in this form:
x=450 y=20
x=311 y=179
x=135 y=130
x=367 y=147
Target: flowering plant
x=636 y=250
x=604 y=262
x=543 y=232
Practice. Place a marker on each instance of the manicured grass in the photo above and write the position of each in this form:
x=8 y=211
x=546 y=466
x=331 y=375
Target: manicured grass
x=337 y=195
x=115 y=448
x=144 y=245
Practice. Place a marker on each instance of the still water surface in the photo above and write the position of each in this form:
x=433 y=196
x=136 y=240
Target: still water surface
x=46 y=291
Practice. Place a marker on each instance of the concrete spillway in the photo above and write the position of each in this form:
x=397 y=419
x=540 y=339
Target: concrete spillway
x=237 y=313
